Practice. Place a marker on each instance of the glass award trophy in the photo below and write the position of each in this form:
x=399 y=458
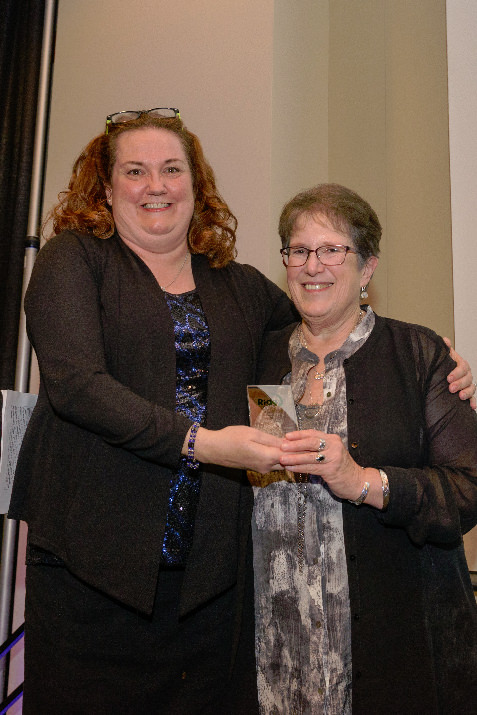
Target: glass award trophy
x=272 y=410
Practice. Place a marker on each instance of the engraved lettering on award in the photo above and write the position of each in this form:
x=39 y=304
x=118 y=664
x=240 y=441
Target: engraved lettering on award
x=272 y=410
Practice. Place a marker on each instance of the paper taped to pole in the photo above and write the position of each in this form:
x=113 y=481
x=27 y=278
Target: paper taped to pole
x=16 y=412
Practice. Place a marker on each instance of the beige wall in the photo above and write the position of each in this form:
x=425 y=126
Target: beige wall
x=283 y=95
x=299 y=109
x=241 y=74
x=388 y=139
x=213 y=60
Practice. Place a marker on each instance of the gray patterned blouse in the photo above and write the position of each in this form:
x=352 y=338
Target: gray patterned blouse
x=303 y=630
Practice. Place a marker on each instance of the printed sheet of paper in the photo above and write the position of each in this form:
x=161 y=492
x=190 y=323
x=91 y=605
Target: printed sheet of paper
x=16 y=412
x=272 y=410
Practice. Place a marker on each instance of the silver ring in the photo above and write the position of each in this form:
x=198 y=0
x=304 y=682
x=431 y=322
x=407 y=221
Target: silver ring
x=320 y=458
x=322 y=445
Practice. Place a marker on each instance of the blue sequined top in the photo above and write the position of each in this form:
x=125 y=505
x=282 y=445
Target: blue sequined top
x=192 y=343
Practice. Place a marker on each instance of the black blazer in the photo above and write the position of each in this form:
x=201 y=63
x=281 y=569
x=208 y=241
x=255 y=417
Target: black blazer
x=93 y=474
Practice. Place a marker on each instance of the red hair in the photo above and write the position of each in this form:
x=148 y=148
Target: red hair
x=83 y=207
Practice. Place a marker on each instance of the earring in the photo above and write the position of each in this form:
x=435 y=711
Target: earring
x=364 y=292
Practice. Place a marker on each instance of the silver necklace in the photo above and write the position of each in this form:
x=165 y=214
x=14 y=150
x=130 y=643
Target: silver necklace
x=311 y=410
x=177 y=275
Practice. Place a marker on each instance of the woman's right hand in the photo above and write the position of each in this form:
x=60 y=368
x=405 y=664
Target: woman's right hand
x=239 y=447
x=338 y=469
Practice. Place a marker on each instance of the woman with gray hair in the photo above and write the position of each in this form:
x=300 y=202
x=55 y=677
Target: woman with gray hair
x=363 y=598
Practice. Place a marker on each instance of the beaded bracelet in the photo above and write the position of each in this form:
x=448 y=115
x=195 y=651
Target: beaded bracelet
x=385 y=487
x=192 y=462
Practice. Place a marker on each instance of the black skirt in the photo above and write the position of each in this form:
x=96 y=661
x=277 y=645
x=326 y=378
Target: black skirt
x=87 y=653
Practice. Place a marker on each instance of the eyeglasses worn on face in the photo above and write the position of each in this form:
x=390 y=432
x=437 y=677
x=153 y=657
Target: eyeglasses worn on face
x=131 y=115
x=295 y=256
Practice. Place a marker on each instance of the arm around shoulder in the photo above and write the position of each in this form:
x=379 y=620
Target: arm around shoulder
x=438 y=501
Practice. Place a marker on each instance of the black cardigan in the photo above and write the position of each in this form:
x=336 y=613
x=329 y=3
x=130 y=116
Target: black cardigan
x=414 y=618
x=93 y=474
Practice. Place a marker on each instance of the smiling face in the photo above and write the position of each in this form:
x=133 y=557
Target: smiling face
x=326 y=295
x=151 y=191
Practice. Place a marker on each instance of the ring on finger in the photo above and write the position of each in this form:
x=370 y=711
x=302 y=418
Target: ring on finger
x=322 y=445
x=320 y=458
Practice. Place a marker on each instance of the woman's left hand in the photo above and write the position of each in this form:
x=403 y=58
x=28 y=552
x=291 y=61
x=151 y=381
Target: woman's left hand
x=460 y=379
x=314 y=452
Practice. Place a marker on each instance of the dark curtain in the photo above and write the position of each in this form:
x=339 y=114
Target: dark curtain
x=21 y=28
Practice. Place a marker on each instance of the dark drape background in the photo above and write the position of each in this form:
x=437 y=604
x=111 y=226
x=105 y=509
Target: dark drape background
x=21 y=27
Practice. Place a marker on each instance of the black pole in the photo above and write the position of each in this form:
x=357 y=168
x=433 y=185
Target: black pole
x=32 y=244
